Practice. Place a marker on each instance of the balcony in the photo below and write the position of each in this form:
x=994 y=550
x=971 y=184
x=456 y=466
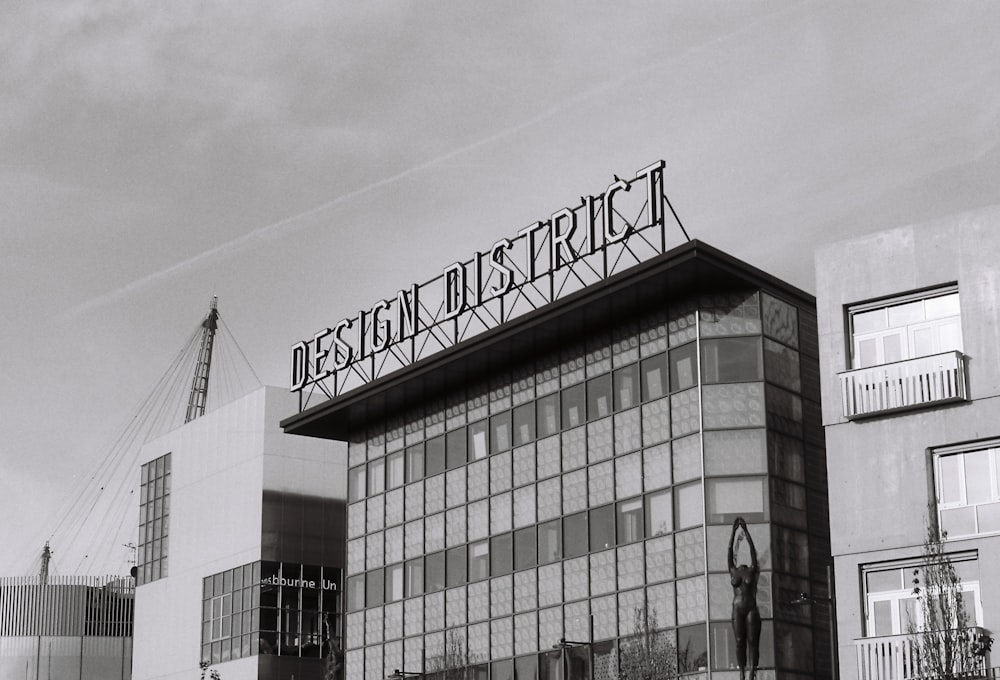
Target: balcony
x=896 y=657
x=903 y=385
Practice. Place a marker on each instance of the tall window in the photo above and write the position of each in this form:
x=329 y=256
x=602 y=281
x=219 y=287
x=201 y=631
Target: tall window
x=154 y=520
x=968 y=490
x=906 y=327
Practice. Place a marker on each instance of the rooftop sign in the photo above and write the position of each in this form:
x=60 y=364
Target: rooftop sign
x=544 y=261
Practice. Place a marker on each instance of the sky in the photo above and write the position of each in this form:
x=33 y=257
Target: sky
x=301 y=160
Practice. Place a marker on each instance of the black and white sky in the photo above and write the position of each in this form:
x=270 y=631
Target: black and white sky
x=303 y=159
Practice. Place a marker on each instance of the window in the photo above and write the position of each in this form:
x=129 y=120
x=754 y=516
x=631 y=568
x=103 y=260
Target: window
x=968 y=491
x=376 y=476
x=154 y=519
x=891 y=607
x=731 y=360
x=276 y=608
x=906 y=327
x=630 y=524
x=415 y=461
x=394 y=470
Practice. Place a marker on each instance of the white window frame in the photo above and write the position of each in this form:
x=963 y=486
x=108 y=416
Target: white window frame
x=993 y=449
x=897 y=597
x=218 y=607
x=903 y=332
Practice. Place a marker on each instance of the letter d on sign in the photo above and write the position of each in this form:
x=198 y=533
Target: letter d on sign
x=300 y=366
x=454 y=290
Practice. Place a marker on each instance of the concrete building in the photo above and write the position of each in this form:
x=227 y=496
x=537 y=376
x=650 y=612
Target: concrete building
x=909 y=324
x=241 y=547
x=525 y=496
x=66 y=627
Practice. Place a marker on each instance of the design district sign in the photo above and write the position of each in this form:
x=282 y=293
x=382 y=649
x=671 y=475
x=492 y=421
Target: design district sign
x=546 y=260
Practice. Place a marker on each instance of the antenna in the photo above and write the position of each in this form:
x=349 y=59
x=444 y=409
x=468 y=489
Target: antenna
x=43 y=573
x=199 y=386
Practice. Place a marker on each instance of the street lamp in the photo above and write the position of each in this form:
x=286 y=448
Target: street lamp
x=399 y=675
x=805 y=599
x=562 y=646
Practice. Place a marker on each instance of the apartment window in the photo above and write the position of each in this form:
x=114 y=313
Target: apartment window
x=905 y=327
x=968 y=490
x=892 y=608
x=154 y=519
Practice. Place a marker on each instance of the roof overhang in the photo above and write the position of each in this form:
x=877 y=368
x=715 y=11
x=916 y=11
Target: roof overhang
x=693 y=266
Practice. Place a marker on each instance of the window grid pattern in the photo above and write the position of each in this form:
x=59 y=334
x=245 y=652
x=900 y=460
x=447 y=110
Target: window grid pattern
x=154 y=520
x=617 y=425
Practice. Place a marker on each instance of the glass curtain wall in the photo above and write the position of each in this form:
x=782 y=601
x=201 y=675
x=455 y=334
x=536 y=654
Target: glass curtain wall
x=584 y=497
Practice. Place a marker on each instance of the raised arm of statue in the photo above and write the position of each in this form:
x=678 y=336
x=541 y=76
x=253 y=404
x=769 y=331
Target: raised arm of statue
x=732 y=543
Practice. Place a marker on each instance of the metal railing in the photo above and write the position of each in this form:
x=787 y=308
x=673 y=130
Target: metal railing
x=902 y=385
x=897 y=657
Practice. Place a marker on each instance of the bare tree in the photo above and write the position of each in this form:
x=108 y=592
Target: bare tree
x=649 y=654
x=946 y=645
x=454 y=662
x=207 y=668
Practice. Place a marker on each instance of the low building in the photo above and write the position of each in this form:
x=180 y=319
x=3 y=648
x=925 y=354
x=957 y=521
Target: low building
x=909 y=324
x=241 y=548
x=66 y=627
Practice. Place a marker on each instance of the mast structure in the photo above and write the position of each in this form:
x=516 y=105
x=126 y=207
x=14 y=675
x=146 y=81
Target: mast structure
x=43 y=573
x=199 y=385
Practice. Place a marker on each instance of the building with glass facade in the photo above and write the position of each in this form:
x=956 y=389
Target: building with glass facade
x=909 y=324
x=241 y=548
x=573 y=475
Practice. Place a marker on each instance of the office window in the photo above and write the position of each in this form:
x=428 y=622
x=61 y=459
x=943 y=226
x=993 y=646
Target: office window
x=968 y=491
x=574 y=406
x=549 y=542
x=525 y=548
x=154 y=517
x=905 y=327
x=456 y=449
x=683 y=367
x=547 y=412
x=415 y=461
x=356 y=483
x=394 y=470
x=500 y=432
x=736 y=497
x=524 y=424
x=731 y=360
x=599 y=397
x=626 y=387
x=479 y=560
x=376 y=476
x=630 y=522
x=478 y=437
x=394 y=583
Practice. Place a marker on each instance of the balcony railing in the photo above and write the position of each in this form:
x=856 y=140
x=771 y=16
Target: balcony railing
x=897 y=657
x=902 y=385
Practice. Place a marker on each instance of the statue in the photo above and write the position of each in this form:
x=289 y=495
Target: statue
x=746 y=616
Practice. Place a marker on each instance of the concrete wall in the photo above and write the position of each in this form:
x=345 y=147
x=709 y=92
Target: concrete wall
x=880 y=476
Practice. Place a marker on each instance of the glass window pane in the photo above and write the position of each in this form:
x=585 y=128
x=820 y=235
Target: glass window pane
x=736 y=497
x=602 y=527
x=455 y=567
x=355 y=483
x=477 y=441
x=901 y=315
x=376 y=476
x=573 y=406
x=683 y=362
x=869 y=322
x=434 y=572
x=394 y=470
x=479 y=560
x=731 y=360
x=599 y=397
x=501 y=554
x=654 y=377
x=524 y=424
x=415 y=462
x=548 y=415
x=689 y=506
x=630 y=521
x=977 y=476
x=989 y=517
x=659 y=513
x=434 y=460
x=549 y=542
x=525 y=548
x=626 y=387
x=414 y=577
x=575 y=535
x=500 y=432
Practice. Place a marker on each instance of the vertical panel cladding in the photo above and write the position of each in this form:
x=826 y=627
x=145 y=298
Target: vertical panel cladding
x=66 y=606
x=808 y=333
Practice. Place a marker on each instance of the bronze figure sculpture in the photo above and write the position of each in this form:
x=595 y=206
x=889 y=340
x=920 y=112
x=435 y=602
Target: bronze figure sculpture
x=746 y=616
